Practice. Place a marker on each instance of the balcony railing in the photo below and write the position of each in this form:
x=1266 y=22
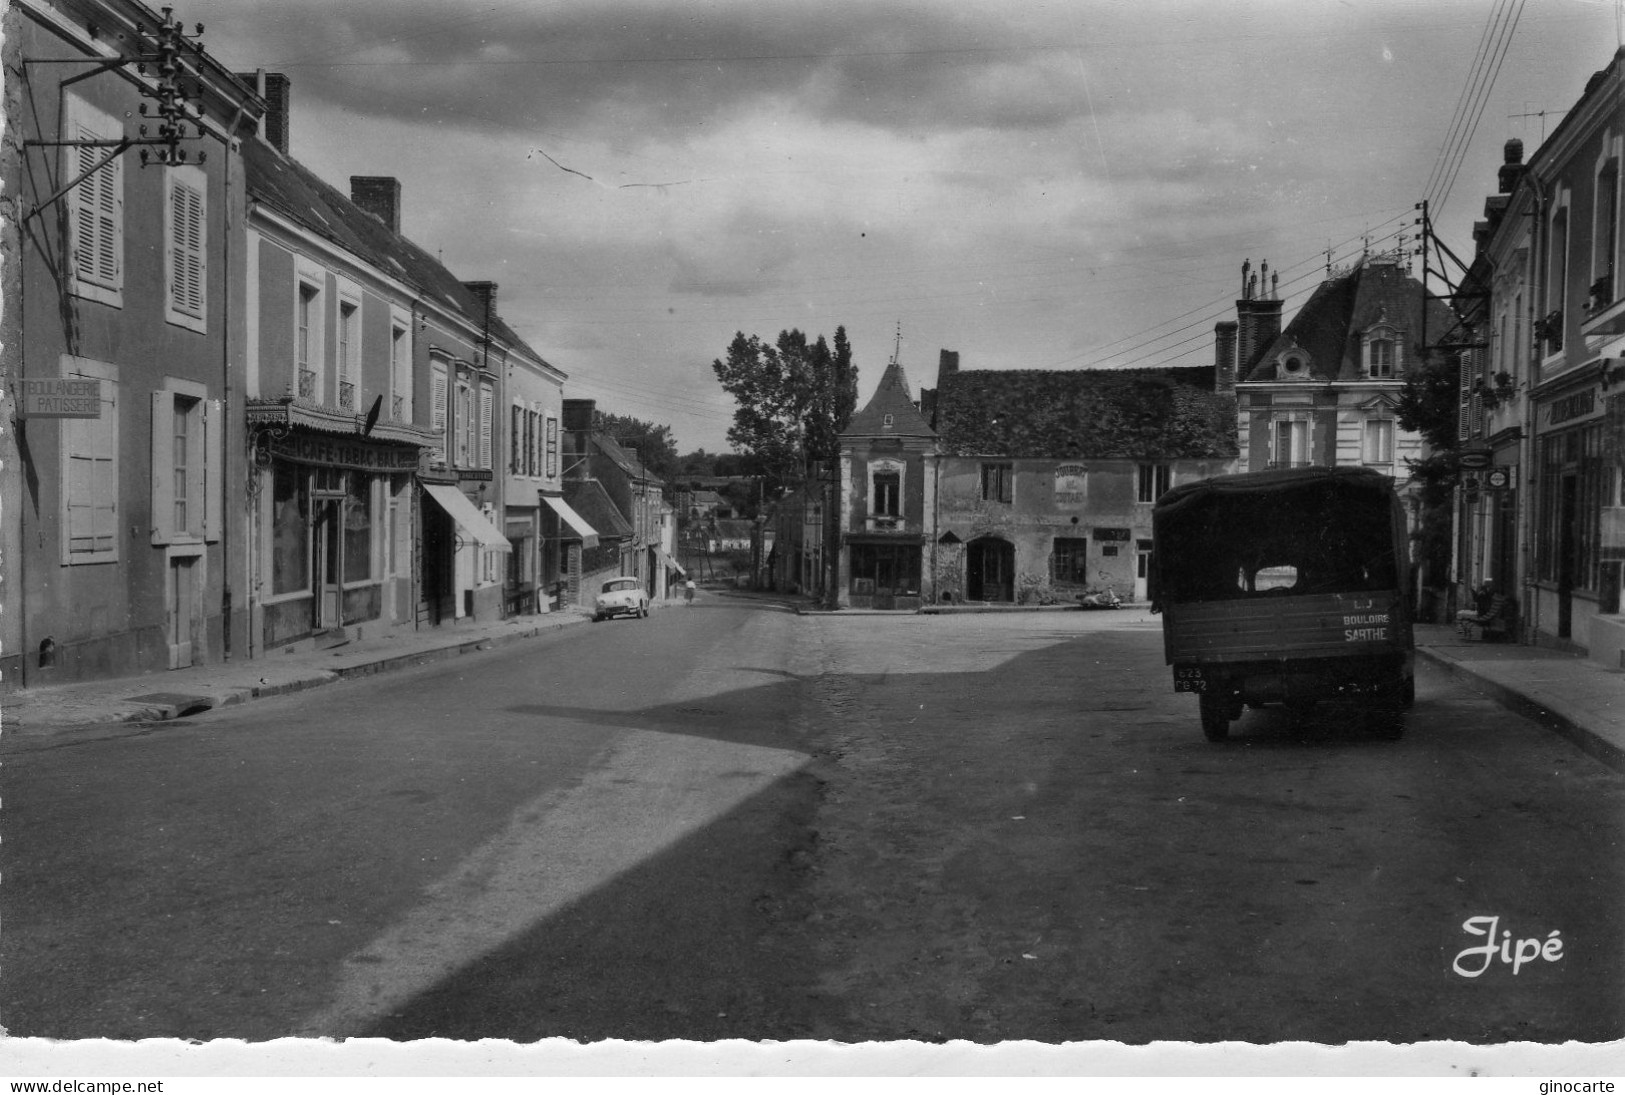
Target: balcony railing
x=307 y=383
x=1290 y=463
x=347 y=395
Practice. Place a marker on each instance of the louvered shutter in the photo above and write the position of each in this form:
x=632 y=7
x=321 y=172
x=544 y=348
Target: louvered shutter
x=98 y=209
x=163 y=468
x=186 y=248
x=214 y=469
x=1463 y=408
x=437 y=414
x=485 y=425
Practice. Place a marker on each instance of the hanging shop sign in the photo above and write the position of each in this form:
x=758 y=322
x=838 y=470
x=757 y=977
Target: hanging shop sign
x=340 y=452
x=1497 y=479
x=58 y=397
x=1476 y=458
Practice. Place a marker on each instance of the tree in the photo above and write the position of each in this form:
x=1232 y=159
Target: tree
x=1429 y=405
x=793 y=399
x=655 y=445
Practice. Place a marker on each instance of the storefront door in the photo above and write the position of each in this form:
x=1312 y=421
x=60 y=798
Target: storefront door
x=990 y=570
x=326 y=561
x=1568 y=545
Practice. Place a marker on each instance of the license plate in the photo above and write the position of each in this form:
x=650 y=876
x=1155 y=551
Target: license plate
x=1189 y=680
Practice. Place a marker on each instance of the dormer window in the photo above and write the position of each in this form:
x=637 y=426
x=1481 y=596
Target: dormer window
x=887 y=421
x=1381 y=353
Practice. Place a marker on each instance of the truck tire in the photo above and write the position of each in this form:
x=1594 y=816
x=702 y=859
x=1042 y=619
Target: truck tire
x=1215 y=717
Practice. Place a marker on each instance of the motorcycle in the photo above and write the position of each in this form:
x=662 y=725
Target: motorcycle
x=1104 y=598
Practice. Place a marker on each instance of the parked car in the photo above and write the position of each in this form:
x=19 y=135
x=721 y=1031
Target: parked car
x=621 y=597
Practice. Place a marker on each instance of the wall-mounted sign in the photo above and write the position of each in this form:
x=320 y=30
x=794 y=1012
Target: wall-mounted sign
x=57 y=397
x=1476 y=458
x=338 y=452
x=1497 y=479
x=1122 y=535
x=1580 y=404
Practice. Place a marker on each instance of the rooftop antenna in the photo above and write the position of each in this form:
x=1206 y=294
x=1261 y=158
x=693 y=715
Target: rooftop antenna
x=1541 y=114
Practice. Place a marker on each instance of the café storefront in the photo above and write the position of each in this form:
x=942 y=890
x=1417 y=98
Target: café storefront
x=333 y=515
x=1577 y=492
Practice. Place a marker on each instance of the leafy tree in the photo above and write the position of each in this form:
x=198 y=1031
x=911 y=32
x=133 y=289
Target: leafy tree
x=1429 y=405
x=655 y=445
x=793 y=399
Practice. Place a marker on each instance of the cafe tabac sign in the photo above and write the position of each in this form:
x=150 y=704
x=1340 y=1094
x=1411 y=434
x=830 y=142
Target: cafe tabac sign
x=343 y=452
x=61 y=397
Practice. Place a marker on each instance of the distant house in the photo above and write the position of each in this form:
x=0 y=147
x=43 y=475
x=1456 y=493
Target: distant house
x=1325 y=390
x=1045 y=480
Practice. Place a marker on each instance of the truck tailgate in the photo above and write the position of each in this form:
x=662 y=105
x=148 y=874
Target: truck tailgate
x=1267 y=628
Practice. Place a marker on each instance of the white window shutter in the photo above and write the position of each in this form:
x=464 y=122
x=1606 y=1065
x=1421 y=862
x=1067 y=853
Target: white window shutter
x=214 y=469
x=163 y=467
x=485 y=425
x=186 y=248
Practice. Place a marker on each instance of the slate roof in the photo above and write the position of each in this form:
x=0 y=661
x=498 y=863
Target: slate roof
x=1139 y=414
x=589 y=498
x=297 y=193
x=618 y=454
x=891 y=397
x=1330 y=325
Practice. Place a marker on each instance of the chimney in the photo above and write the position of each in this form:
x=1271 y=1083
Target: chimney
x=486 y=291
x=275 y=89
x=379 y=195
x=1258 y=320
x=1512 y=166
x=578 y=414
x=1224 y=357
x=947 y=364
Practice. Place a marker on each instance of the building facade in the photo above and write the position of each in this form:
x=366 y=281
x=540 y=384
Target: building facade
x=1046 y=480
x=119 y=541
x=1557 y=315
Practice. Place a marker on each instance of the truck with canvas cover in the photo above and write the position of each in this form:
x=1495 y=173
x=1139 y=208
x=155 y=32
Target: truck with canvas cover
x=1287 y=587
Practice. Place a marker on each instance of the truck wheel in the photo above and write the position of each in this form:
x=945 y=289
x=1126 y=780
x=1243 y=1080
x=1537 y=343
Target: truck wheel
x=1215 y=717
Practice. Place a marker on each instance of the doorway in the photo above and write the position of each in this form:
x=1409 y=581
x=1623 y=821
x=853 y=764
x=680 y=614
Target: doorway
x=326 y=547
x=990 y=570
x=183 y=610
x=1568 y=545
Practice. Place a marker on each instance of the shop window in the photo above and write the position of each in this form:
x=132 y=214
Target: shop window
x=290 y=530
x=1069 y=560
x=998 y=482
x=358 y=528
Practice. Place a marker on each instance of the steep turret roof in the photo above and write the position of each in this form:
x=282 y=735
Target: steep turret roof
x=891 y=399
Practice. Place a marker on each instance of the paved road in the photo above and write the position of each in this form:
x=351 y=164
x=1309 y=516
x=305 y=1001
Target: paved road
x=728 y=821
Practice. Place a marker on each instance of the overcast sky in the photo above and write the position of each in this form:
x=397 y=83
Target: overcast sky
x=1051 y=185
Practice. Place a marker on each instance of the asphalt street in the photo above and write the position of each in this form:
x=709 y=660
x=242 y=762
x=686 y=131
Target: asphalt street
x=729 y=821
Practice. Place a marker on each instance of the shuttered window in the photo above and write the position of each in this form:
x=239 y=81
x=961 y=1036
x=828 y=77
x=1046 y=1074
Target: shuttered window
x=95 y=206
x=437 y=410
x=186 y=232
x=487 y=397
x=90 y=471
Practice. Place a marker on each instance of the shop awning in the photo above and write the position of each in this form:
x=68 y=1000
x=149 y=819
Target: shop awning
x=469 y=519
x=589 y=537
x=671 y=564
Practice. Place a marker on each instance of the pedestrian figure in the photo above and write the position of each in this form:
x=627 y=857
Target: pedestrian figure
x=688 y=592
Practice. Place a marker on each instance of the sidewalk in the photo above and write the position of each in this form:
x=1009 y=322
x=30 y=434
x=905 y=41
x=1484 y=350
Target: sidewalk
x=34 y=712
x=1579 y=699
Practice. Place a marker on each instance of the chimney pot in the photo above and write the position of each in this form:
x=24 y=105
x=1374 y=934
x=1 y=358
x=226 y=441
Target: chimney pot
x=277 y=91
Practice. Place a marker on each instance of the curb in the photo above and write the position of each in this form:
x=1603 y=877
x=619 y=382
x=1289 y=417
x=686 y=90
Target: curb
x=1590 y=743
x=118 y=713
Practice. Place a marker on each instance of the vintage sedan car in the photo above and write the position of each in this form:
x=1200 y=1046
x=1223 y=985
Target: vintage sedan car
x=621 y=597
